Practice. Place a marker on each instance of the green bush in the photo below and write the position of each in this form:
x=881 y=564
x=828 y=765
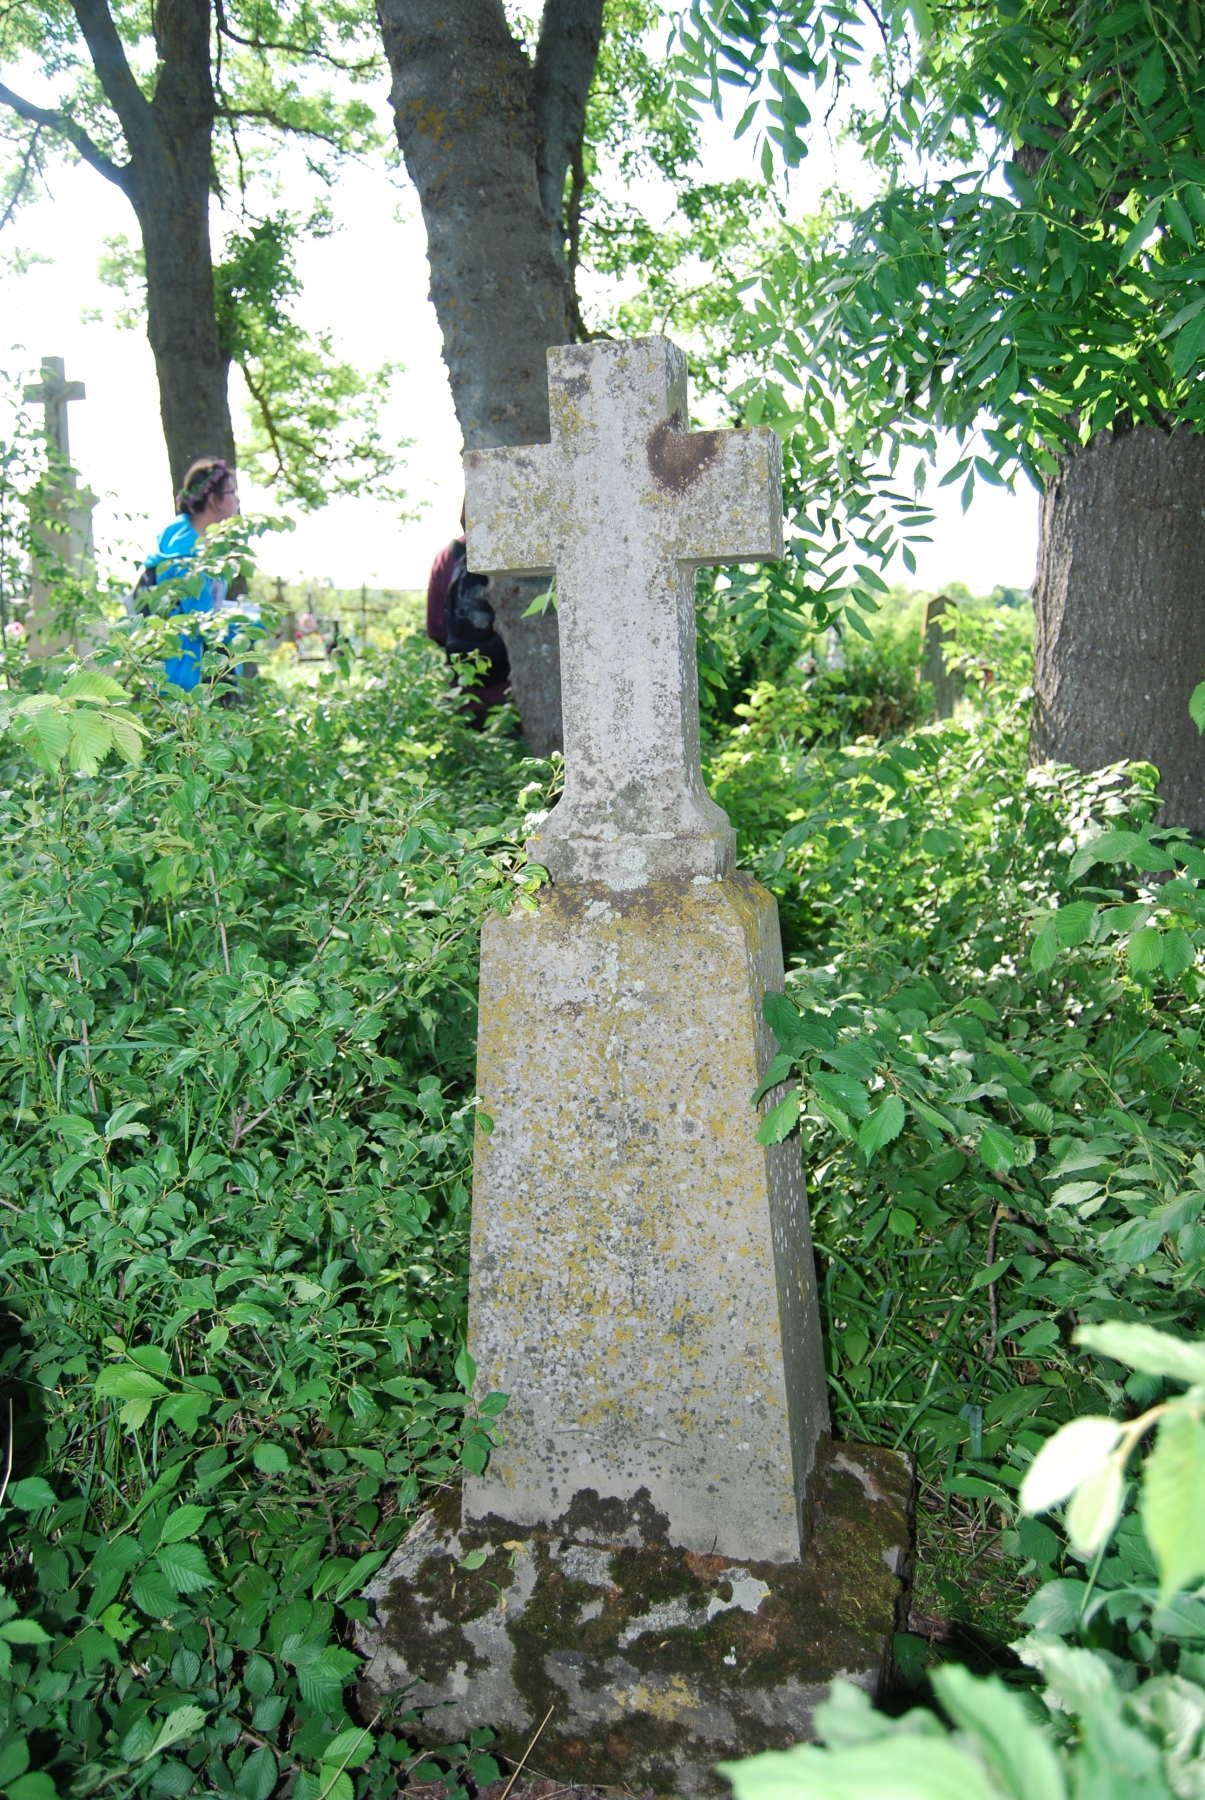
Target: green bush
x=1103 y=1726
x=236 y=1053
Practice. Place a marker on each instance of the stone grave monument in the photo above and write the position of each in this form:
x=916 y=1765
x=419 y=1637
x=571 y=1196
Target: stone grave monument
x=947 y=683
x=66 y=539
x=664 y=1562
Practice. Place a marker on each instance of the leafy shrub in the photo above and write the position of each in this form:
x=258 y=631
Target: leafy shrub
x=235 y=1084
x=1102 y=1730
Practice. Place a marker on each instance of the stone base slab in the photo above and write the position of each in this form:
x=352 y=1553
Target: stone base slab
x=656 y=1662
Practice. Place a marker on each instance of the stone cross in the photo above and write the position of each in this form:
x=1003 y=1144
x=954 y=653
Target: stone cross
x=623 y=506
x=642 y=1282
x=63 y=539
x=55 y=391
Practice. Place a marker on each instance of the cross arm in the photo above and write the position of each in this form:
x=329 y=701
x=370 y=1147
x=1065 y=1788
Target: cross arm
x=50 y=394
x=732 y=510
x=511 y=510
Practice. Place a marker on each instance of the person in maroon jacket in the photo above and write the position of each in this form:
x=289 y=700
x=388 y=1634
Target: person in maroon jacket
x=461 y=619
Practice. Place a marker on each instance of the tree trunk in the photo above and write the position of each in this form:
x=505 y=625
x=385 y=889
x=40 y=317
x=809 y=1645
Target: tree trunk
x=167 y=180
x=1120 y=612
x=466 y=110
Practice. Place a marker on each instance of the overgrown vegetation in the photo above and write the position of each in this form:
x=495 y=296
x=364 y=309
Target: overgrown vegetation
x=236 y=1057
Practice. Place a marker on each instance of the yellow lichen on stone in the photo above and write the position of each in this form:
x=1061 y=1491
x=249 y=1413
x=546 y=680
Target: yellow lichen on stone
x=642 y=1282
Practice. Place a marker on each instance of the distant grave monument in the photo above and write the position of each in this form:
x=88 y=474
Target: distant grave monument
x=663 y=1555
x=65 y=537
x=946 y=682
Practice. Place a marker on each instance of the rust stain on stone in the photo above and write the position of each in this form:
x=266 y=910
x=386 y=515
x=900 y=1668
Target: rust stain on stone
x=678 y=457
x=704 y=1568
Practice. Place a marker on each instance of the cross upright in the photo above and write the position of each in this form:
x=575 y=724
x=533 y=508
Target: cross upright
x=54 y=391
x=623 y=506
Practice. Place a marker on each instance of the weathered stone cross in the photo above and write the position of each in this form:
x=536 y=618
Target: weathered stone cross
x=624 y=505
x=631 y=1577
x=642 y=1279
x=54 y=391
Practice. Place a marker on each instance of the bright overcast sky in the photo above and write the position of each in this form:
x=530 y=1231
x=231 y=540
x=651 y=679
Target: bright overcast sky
x=368 y=285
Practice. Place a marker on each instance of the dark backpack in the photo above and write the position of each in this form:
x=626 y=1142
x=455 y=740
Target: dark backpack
x=472 y=627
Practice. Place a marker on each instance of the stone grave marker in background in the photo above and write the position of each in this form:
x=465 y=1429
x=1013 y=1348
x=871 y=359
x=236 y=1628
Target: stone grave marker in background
x=947 y=683
x=66 y=540
x=662 y=1552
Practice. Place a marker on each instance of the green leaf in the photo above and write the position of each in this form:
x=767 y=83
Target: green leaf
x=1016 y=1750
x=884 y=1124
x=90 y=684
x=1096 y=1506
x=257 y=1778
x=1152 y=78
x=1144 y=229
x=1142 y=1347
x=35 y=1786
x=45 y=734
x=23 y=1631
x=1045 y=947
x=1144 y=950
x=125 y=1382
x=1173 y=1510
x=358 y=1574
x=184 y=1567
x=335 y=1784
x=781 y=1120
x=127 y=737
x=32 y=1494
x=14 y=1760
x=782 y=1015
x=349 y=1749
x=1178 y=952
x=1074 y=1453
x=243 y=1312
x=270 y=1459
x=91 y=740
x=153 y=1595
x=1196 y=704
x=182 y=1723
x=934 y=1769
x=999 y=1149
x=185 y=1522
x=465 y=1370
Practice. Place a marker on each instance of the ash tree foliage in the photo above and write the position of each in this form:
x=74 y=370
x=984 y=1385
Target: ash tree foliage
x=175 y=104
x=1034 y=285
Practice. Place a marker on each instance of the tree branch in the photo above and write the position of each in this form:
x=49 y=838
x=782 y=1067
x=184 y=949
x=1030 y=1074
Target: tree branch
x=29 y=162
x=67 y=128
x=108 y=55
x=570 y=33
x=266 y=115
x=303 y=52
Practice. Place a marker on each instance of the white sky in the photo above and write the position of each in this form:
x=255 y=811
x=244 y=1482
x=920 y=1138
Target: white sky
x=368 y=285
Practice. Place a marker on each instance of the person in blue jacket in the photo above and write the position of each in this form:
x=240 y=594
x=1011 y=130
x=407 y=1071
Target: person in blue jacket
x=209 y=497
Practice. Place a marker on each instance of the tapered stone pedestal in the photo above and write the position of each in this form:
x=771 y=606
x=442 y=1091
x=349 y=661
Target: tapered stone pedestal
x=655 y=1662
x=642 y=1281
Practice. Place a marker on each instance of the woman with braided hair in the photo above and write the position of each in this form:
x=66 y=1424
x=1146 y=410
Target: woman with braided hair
x=208 y=497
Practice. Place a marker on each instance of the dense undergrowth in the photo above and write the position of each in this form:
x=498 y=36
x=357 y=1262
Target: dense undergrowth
x=236 y=1052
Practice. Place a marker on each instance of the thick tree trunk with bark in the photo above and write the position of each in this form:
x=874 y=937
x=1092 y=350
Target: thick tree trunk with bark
x=167 y=180
x=1120 y=612
x=487 y=141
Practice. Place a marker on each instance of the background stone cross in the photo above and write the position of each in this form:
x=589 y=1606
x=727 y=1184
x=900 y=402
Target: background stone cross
x=54 y=391
x=623 y=506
